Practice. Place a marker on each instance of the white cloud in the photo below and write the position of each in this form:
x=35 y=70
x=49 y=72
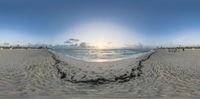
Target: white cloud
x=100 y=34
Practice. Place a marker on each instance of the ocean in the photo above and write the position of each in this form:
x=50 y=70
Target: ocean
x=101 y=55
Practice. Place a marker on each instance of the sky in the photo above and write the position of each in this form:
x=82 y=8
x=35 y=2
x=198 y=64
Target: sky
x=103 y=23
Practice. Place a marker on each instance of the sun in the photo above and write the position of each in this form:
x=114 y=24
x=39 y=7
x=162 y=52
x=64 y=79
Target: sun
x=102 y=35
x=101 y=45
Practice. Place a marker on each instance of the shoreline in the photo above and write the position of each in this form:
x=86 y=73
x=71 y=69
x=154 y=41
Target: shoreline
x=38 y=72
x=101 y=80
x=60 y=56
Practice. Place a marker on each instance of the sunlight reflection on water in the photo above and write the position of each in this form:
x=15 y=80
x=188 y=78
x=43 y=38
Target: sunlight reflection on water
x=96 y=55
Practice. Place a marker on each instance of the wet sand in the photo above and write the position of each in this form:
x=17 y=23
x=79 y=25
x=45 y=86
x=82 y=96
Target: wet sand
x=39 y=72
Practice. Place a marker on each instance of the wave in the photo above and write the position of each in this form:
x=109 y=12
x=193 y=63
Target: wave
x=93 y=55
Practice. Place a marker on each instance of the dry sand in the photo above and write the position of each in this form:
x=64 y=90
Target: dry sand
x=38 y=72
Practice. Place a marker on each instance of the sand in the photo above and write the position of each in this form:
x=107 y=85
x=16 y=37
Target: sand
x=39 y=72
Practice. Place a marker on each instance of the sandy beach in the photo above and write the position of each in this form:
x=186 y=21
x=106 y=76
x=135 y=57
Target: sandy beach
x=39 y=72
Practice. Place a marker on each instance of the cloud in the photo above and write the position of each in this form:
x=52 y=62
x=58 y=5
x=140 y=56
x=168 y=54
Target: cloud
x=74 y=40
x=67 y=42
x=76 y=43
x=73 y=45
x=134 y=46
x=109 y=43
x=83 y=45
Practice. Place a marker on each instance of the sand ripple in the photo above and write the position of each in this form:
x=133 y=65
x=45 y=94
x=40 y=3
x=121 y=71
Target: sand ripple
x=36 y=72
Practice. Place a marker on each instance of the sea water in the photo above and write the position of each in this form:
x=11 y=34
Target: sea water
x=101 y=55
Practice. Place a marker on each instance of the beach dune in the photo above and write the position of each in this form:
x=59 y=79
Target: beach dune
x=40 y=72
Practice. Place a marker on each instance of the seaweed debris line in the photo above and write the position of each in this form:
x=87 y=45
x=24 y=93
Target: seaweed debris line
x=136 y=71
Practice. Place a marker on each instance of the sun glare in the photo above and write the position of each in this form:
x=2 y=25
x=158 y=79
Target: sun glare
x=101 y=45
x=102 y=35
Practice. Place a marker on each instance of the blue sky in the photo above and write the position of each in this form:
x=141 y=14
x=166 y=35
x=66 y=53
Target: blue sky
x=158 y=22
